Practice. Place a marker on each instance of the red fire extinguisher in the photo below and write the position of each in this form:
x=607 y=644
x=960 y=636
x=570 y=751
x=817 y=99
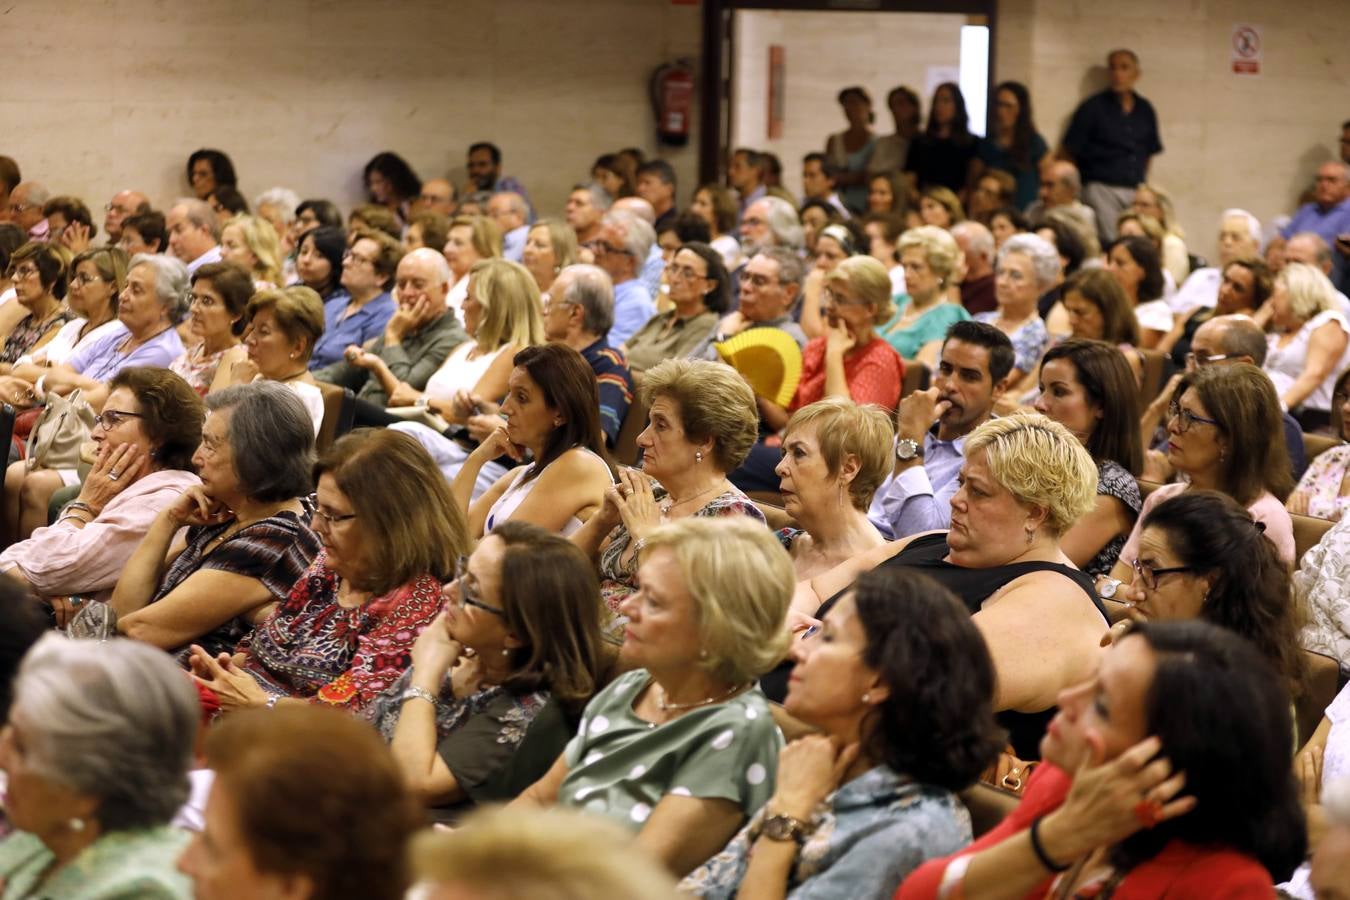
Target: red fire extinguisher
x=672 y=100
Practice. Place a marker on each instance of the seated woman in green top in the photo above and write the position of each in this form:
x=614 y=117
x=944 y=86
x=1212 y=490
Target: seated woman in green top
x=499 y=678
x=701 y=293
x=924 y=314
x=684 y=749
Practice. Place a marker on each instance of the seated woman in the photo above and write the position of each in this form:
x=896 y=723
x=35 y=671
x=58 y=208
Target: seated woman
x=220 y=295
x=1135 y=264
x=683 y=748
x=472 y=239
x=1246 y=285
x=247 y=539
x=38 y=272
x=499 y=679
x=91 y=804
x=1324 y=489
x=1088 y=387
x=700 y=290
x=552 y=411
x=1098 y=309
x=1202 y=556
x=1025 y=481
x=939 y=207
x=834 y=243
x=716 y=206
x=145 y=438
x=1224 y=435
x=852 y=361
x=550 y=247
x=359 y=314
x=1310 y=345
x=144 y=233
x=1027 y=267
x=273 y=770
x=282 y=328
x=318 y=263
x=426 y=229
x=701 y=424
x=251 y=243
x=860 y=804
x=345 y=631
x=1163 y=701
x=923 y=314
x=1152 y=200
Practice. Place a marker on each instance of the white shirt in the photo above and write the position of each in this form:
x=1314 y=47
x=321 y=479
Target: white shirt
x=210 y=256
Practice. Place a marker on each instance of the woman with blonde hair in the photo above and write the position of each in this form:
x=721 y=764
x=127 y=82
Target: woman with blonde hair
x=940 y=207
x=930 y=256
x=1152 y=200
x=682 y=748
x=1310 y=345
x=550 y=247
x=281 y=328
x=253 y=244
x=471 y=239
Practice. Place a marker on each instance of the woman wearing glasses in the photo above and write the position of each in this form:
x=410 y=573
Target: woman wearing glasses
x=1224 y=434
x=345 y=631
x=701 y=291
x=499 y=679
x=145 y=437
x=39 y=275
x=1324 y=489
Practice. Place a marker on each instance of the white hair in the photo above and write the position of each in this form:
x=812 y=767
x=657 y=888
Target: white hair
x=638 y=235
x=171 y=281
x=514 y=201
x=1044 y=257
x=784 y=223
x=283 y=197
x=439 y=266
x=1253 y=223
x=600 y=197
x=590 y=288
x=979 y=240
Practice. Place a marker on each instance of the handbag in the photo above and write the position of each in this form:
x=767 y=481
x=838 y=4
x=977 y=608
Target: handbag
x=95 y=621
x=65 y=424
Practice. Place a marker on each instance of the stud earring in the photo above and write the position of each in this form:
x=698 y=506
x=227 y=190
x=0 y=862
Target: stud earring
x=506 y=651
x=75 y=824
x=698 y=456
x=866 y=698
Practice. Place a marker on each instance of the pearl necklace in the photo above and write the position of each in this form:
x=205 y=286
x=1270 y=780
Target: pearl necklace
x=673 y=707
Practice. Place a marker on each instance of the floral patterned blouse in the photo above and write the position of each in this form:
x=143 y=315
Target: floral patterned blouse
x=1029 y=341
x=868 y=835
x=198 y=368
x=1322 y=587
x=312 y=648
x=618 y=568
x=1322 y=483
x=29 y=331
x=1113 y=480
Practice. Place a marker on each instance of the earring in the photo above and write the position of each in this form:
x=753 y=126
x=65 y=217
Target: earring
x=866 y=698
x=506 y=651
x=703 y=654
x=75 y=824
x=1031 y=533
x=698 y=456
x=292 y=356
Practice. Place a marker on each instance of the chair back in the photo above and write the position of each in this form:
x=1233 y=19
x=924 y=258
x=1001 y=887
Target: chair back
x=917 y=378
x=339 y=409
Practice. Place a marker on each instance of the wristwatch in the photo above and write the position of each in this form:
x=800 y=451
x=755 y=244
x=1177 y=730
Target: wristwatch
x=784 y=828
x=907 y=449
x=1108 y=588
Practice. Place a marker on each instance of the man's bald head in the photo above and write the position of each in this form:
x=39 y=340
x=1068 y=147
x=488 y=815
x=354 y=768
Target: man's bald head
x=123 y=204
x=638 y=207
x=1309 y=247
x=1236 y=337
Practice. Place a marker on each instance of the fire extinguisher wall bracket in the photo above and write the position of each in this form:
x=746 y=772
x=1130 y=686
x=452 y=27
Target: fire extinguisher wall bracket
x=672 y=89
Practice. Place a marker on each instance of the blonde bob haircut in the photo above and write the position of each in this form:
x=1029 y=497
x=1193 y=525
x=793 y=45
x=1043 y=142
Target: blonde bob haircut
x=509 y=853
x=1310 y=292
x=385 y=473
x=843 y=429
x=715 y=402
x=510 y=299
x=741 y=581
x=486 y=237
x=1040 y=463
x=260 y=237
x=562 y=239
x=870 y=281
x=938 y=246
x=298 y=311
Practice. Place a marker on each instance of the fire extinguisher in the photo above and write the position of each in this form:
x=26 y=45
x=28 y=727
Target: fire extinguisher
x=672 y=100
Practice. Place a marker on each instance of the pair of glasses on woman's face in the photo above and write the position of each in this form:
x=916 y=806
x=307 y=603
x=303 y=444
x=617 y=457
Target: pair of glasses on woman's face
x=1185 y=418
x=1148 y=575
x=467 y=589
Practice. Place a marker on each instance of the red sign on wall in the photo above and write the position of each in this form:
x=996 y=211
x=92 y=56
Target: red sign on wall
x=777 y=90
x=1247 y=50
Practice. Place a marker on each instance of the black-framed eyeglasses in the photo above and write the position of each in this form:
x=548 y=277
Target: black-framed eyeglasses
x=1186 y=418
x=1205 y=359
x=1148 y=575
x=332 y=518
x=468 y=594
x=111 y=418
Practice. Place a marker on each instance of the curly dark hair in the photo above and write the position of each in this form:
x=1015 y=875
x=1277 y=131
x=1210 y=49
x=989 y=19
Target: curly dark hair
x=1223 y=717
x=1251 y=595
x=171 y=413
x=937 y=724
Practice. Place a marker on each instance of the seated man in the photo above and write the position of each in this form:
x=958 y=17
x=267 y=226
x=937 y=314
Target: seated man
x=977 y=287
x=509 y=211
x=819 y=182
x=1327 y=215
x=1239 y=238
x=932 y=426
x=656 y=184
x=194 y=233
x=621 y=248
x=417 y=339
x=1061 y=187
x=1308 y=247
x=586 y=206
x=770 y=283
x=578 y=312
x=123 y=204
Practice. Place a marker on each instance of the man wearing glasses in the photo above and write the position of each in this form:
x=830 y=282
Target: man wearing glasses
x=620 y=248
x=123 y=204
x=25 y=209
x=1222 y=341
x=770 y=283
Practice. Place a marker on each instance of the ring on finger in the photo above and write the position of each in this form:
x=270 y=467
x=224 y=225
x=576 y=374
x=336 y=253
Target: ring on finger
x=113 y=476
x=1148 y=812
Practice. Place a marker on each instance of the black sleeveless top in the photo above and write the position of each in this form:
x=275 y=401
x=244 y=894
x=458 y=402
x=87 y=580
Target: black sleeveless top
x=972 y=587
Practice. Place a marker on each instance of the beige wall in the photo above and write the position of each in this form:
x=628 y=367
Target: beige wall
x=102 y=96
x=1230 y=140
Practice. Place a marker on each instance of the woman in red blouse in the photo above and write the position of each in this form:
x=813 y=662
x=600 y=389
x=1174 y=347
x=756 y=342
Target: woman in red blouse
x=346 y=631
x=850 y=361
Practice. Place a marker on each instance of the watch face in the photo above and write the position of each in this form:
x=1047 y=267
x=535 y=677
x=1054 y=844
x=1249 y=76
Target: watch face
x=780 y=828
x=1109 y=588
x=906 y=449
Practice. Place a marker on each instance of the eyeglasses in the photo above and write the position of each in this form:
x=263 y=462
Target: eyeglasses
x=349 y=256
x=753 y=220
x=550 y=304
x=683 y=272
x=600 y=248
x=111 y=418
x=23 y=272
x=758 y=281
x=1186 y=418
x=1148 y=576
x=332 y=518
x=81 y=279
x=468 y=595
x=841 y=299
x=20 y=207
x=1205 y=359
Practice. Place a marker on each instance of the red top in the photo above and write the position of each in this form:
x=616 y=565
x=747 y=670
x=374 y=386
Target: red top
x=873 y=372
x=1179 y=870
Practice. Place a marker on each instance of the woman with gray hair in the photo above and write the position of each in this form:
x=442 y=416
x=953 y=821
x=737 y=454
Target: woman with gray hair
x=96 y=752
x=1027 y=267
x=247 y=539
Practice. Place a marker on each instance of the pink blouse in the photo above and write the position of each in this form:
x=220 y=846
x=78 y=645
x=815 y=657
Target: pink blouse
x=1322 y=483
x=1266 y=509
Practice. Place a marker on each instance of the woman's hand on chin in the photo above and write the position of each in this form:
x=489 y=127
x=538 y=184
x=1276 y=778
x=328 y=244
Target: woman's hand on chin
x=196 y=507
x=115 y=468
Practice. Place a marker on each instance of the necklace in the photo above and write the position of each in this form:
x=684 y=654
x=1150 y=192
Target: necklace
x=667 y=507
x=673 y=707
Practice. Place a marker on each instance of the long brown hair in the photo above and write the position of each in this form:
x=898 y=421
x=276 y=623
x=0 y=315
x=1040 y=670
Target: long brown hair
x=569 y=387
x=1106 y=377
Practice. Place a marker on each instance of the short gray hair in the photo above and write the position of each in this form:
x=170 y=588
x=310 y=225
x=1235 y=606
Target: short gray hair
x=271 y=439
x=790 y=267
x=1321 y=249
x=979 y=240
x=38 y=195
x=1253 y=223
x=784 y=223
x=600 y=197
x=440 y=267
x=200 y=214
x=116 y=720
x=1044 y=257
x=171 y=282
x=1069 y=175
x=1240 y=336
x=638 y=236
x=283 y=197
x=590 y=288
x=515 y=201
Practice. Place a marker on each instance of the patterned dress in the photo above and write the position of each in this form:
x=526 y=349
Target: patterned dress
x=29 y=331
x=197 y=367
x=1322 y=483
x=1029 y=341
x=313 y=648
x=1114 y=481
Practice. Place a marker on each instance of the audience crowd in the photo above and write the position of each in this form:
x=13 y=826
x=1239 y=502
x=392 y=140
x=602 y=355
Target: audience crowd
x=953 y=530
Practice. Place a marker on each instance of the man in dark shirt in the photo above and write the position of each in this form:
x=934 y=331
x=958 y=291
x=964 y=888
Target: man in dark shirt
x=1111 y=137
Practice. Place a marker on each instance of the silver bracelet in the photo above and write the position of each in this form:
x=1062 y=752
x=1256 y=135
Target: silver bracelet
x=413 y=692
x=272 y=701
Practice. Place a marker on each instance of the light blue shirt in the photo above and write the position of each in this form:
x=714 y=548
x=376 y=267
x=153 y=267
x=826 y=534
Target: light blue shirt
x=633 y=306
x=920 y=498
x=513 y=243
x=358 y=329
x=652 y=268
x=101 y=360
